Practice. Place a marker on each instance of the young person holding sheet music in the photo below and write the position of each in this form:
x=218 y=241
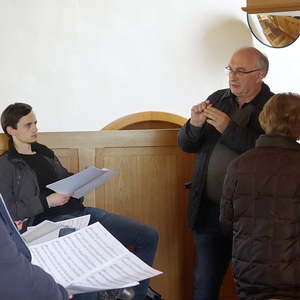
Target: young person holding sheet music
x=27 y=167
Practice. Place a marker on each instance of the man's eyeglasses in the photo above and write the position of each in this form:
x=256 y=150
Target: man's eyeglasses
x=239 y=72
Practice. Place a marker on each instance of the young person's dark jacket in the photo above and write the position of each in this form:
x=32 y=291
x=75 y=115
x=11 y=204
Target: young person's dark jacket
x=215 y=150
x=20 y=280
x=20 y=189
x=261 y=208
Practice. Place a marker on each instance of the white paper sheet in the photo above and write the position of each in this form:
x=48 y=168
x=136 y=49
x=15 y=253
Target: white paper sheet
x=90 y=259
x=48 y=230
x=77 y=223
x=83 y=182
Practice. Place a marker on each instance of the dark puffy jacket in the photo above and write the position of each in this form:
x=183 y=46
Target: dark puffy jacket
x=239 y=136
x=261 y=206
x=19 y=278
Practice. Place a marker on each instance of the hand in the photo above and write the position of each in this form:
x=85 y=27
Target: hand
x=216 y=118
x=19 y=224
x=70 y=296
x=57 y=199
x=198 y=117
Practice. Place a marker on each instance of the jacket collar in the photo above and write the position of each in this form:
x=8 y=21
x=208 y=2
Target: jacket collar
x=263 y=93
x=277 y=141
x=39 y=148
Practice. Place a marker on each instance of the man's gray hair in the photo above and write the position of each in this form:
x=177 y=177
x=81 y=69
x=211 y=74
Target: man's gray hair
x=262 y=59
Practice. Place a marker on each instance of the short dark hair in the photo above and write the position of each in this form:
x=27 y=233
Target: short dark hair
x=13 y=113
x=281 y=115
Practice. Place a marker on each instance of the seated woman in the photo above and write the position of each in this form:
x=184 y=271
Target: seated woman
x=27 y=167
x=261 y=206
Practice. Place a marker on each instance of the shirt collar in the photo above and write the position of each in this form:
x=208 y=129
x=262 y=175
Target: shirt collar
x=263 y=93
x=39 y=148
x=278 y=141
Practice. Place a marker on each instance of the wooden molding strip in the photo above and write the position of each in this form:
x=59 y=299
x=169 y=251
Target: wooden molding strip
x=104 y=138
x=255 y=10
x=145 y=116
x=267 y=6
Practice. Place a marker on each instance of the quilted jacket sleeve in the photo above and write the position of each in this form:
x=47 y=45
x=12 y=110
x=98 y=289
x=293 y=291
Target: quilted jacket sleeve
x=19 y=278
x=226 y=208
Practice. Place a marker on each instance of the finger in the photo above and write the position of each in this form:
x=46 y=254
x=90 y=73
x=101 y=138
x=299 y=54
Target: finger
x=210 y=115
x=197 y=108
x=211 y=122
x=63 y=196
x=212 y=109
x=203 y=106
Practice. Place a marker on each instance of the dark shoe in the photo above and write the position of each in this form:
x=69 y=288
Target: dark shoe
x=153 y=295
x=109 y=294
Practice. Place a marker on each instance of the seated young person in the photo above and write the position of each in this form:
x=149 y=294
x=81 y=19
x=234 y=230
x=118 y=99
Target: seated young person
x=19 y=278
x=260 y=206
x=27 y=167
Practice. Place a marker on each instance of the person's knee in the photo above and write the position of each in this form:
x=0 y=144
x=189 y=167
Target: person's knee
x=152 y=235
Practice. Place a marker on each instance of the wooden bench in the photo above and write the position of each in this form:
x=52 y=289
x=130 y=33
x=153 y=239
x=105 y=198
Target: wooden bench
x=149 y=187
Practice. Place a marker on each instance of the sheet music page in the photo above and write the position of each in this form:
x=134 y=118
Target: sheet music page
x=84 y=181
x=94 y=183
x=78 y=289
x=39 y=231
x=77 y=223
x=47 y=237
x=70 y=256
x=125 y=271
x=48 y=230
x=88 y=259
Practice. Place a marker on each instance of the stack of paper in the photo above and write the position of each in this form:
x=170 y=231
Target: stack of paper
x=90 y=259
x=83 y=182
x=48 y=230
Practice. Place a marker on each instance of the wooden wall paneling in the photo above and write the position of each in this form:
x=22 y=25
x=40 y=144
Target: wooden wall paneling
x=87 y=159
x=75 y=160
x=147 y=189
x=3 y=143
x=228 y=288
x=186 y=162
x=69 y=159
x=106 y=138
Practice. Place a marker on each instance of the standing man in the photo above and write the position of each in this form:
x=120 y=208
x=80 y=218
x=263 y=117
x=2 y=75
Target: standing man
x=221 y=128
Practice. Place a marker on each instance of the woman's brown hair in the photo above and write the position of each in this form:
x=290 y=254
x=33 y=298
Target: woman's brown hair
x=281 y=115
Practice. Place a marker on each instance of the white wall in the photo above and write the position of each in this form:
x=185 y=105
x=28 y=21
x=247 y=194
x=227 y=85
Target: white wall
x=84 y=63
